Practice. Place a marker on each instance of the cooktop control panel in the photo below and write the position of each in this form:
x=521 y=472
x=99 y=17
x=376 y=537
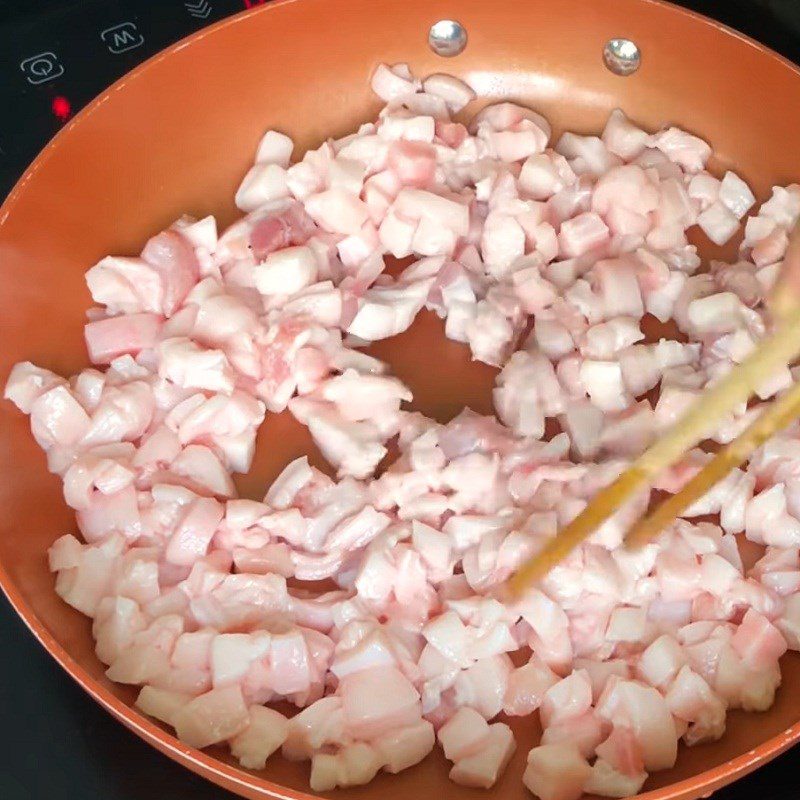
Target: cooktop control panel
x=54 y=61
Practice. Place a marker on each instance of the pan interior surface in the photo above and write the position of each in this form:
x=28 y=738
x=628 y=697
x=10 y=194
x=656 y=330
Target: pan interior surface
x=177 y=135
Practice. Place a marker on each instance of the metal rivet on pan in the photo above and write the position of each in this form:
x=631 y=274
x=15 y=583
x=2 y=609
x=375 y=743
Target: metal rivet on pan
x=622 y=56
x=447 y=37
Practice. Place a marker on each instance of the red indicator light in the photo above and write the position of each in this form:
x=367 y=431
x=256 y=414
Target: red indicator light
x=61 y=108
x=253 y=3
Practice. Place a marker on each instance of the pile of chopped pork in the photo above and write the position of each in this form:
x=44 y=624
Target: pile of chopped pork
x=543 y=257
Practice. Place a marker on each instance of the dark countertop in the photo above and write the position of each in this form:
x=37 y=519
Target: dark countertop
x=60 y=745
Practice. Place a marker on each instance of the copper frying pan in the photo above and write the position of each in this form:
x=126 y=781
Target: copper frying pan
x=177 y=134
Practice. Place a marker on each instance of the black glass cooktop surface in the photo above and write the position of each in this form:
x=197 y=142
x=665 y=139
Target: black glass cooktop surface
x=55 y=56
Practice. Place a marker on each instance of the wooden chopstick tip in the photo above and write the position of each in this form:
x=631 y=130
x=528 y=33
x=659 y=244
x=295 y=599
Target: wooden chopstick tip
x=785 y=295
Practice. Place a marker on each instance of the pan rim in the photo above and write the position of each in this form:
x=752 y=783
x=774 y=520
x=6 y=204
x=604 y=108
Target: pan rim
x=224 y=775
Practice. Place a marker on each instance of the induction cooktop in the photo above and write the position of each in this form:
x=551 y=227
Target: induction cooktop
x=55 y=56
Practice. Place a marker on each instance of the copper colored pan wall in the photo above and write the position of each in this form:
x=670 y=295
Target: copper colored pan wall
x=176 y=136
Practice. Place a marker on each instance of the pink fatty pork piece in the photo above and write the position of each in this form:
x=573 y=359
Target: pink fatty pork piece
x=528 y=392
x=692 y=700
x=378 y=700
x=353 y=765
x=212 y=718
x=622 y=138
x=126 y=285
x=265 y=182
x=586 y=154
x=161 y=704
x=264 y=734
x=403 y=748
x=549 y=624
x=556 y=772
x=286 y=272
x=173 y=258
x=568 y=699
x=527 y=686
x=106 y=468
x=227 y=423
x=585 y=732
x=684 y=149
x=643 y=709
x=273 y=231
x=386 y=311
x=355 y=448
x=398 y=737
x=320 y=724
x=511 y=132
x=741 y=686
x=479 y=751
x=85 y=572
x=483 y=685
x=251 y=239
x=392 y=83
x=115 y=336
x=619 y=768
x=625 y=198
x=26 y=382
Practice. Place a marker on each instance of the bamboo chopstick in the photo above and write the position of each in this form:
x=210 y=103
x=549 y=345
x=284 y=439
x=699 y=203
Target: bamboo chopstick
x=781 y=413
x=773 y=418
x=776 y=351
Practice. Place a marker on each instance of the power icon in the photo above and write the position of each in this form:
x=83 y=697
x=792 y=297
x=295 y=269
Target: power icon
x=42 y=67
